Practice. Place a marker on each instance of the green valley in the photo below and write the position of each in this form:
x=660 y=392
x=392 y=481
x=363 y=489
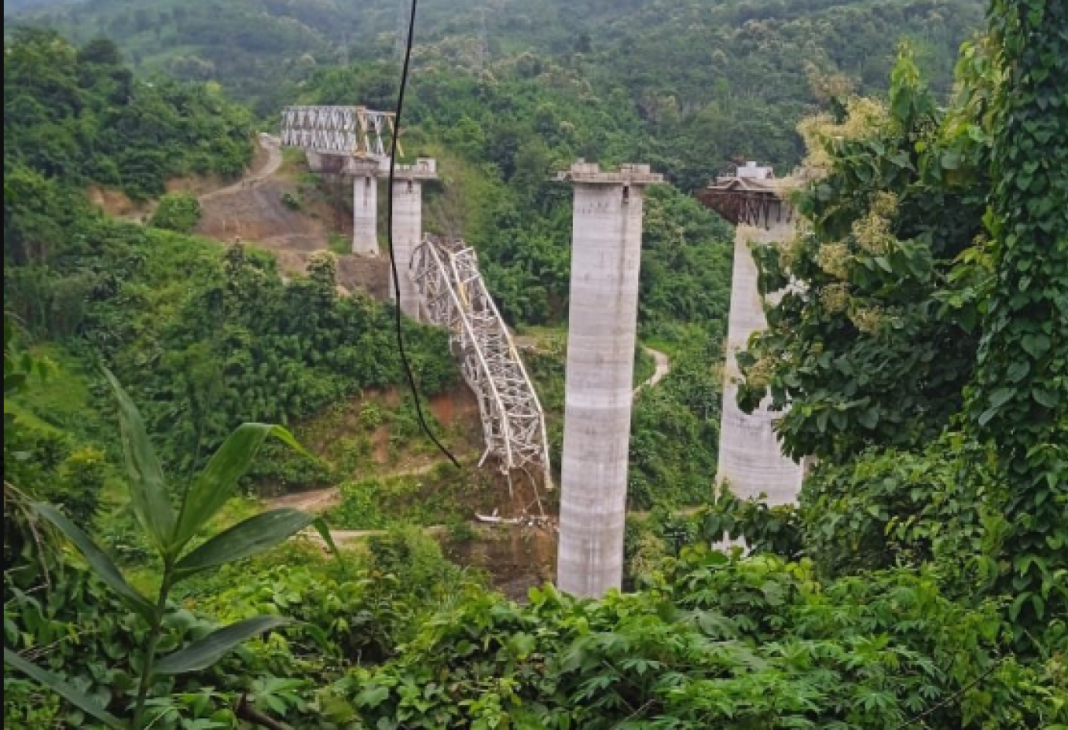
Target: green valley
x=222 y=509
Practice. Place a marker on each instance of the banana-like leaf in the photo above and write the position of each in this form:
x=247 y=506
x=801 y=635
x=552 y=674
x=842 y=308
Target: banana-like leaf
x=244 y=540
x=61 y=688
x=218 y=482
x=202 y=653
x=97 y=558
x=324 y=532
x=148 y=490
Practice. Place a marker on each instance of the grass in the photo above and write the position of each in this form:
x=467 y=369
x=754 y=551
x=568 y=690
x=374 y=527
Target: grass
x=339 y=244
x=443 y=495
x=672 y=348
x=61 y=401
x=293 y=162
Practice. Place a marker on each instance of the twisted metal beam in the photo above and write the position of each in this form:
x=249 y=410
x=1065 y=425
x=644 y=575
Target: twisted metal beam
x=454 y=296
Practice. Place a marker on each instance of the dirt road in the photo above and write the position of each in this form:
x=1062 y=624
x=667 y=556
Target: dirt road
x=273 y=147
x=663 y=367
x=265 y=209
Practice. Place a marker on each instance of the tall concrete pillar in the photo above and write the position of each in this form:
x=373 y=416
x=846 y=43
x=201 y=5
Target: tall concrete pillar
x=605 y=260
x=408 y=225
x=407 y=234
x=315 y=160
x=750 y=458
x=365 y=208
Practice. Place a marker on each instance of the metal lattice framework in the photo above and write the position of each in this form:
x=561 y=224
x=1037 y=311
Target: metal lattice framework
x=454 y=296
x=337 y=130
x=740 y=200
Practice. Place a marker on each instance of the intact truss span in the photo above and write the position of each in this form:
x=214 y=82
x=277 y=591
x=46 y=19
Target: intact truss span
x=454 y=296
x=338 y=130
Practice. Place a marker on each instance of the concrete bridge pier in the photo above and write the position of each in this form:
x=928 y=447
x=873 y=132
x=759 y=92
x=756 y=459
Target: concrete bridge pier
x=365 y=207
x=407 y=234
x=605 y=261
x=750 y=459
x=408 y=226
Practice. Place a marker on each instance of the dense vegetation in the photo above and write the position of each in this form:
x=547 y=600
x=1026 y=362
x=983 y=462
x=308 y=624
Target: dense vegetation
x=904 y=296
x=201 y=331
x=921 y=582
x=504 y=107
x=716 y=80
x=87 y=119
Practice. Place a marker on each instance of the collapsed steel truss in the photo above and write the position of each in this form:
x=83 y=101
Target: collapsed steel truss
x=454 y=296
x=337 y=130
x=741 y=200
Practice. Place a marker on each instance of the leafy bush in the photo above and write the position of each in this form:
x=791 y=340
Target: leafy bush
x=172 y=534
x=736 y=644
x=434 y=498
x=891 y=508
x=177 y=212
x=874 y=336
x=777 y=529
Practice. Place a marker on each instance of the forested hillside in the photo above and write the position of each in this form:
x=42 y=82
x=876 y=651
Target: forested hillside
x=920 y=582
x=703 y=82
x=209 y=337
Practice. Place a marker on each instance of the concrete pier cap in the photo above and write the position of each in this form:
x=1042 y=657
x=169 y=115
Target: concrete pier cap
x=602 y=328
x=424 y=168
x=626 y=174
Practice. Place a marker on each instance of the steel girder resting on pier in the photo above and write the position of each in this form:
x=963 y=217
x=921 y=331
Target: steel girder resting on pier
x=454 y=296
x=337 y=130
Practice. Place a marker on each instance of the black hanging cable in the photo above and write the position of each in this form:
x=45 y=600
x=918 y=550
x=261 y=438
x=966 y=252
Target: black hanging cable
x=389 y=234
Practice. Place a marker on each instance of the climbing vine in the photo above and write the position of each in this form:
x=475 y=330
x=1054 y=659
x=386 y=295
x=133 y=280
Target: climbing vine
x=1019 y=397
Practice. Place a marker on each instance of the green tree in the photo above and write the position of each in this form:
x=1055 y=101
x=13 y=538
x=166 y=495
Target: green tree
x=177 y=212
x=874 y=336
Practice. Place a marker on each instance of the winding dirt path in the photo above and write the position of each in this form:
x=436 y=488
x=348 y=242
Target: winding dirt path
x=273 y=147
x=254 y=209
x=322 y=500
x=313 y=500
x=663 y=367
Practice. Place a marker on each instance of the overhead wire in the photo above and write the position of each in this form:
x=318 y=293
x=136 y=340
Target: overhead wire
x=389 y=236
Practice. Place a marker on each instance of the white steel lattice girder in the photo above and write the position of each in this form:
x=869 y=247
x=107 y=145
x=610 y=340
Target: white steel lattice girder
x=454 y=296
x=337 y=130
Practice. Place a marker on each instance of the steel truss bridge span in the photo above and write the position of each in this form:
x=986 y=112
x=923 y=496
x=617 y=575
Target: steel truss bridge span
x=454 y=296
x=353 y=131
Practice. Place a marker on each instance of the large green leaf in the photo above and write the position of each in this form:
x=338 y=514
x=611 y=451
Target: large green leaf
x=324 y=532
x=244 y=540
x=148 y=490
x=97 y=558
x=218 y=481
x=61 y=688
x=202 y=653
